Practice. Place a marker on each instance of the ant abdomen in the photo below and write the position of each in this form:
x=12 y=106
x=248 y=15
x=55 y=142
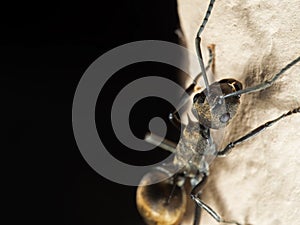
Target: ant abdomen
x=161 y=203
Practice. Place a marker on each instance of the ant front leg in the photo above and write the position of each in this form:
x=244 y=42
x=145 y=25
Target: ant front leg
x=160 y=142
x=200 y=204
x=173 y=117
x=254 y=132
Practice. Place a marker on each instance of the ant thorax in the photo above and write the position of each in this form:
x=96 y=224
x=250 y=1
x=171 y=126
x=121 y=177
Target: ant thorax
x=195 y=150
x=214 y=108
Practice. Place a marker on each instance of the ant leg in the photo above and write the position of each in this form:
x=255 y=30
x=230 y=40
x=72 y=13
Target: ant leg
x=178 y=181
x=265 y=84
x=173 y=117
x=195 y=196
x=211 y=47
x=197 y=215
x=254 y=132
x=197 y=191
x=212 y=212
x=164 y=144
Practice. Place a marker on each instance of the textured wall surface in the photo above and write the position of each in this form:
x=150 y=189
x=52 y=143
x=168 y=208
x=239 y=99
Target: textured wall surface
x=259 y=182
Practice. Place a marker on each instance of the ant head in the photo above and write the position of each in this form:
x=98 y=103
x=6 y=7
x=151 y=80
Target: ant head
x=211 y=109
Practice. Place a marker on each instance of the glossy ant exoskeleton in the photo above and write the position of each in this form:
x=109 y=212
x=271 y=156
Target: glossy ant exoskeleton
x=214 y=107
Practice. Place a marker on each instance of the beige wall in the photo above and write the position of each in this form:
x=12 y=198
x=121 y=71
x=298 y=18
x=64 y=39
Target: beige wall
x=259 y=182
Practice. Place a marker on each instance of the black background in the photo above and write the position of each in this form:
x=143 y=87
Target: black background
x=46 y=46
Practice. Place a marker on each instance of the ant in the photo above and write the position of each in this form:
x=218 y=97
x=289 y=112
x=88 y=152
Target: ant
x=165 y=202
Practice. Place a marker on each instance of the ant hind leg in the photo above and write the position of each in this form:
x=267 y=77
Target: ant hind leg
x=195 y=197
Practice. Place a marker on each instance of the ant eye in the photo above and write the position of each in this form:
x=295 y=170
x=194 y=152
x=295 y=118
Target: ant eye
x=238 y=86
x=200 y=97
x=196 y=97
x=225 y=117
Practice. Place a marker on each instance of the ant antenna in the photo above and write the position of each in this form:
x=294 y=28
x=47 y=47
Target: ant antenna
x=265 y=84
x=198 y=41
